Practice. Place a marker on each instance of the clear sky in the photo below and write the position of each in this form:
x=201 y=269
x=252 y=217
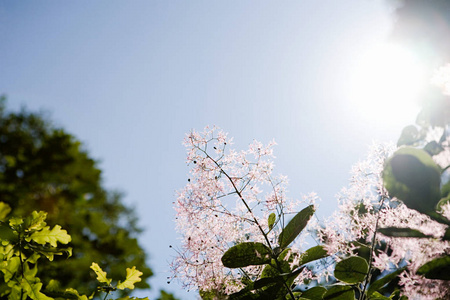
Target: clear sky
x=130 y=78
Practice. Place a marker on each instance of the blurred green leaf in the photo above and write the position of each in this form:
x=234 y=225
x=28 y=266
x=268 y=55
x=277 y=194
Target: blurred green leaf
x=433 y=148
x=379 y=283
x=5 y=209
x=412 y=176
x=438 y=268
x=409 y=136
x=403 y=232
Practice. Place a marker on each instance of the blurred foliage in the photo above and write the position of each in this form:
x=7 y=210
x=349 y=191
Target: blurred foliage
x=423 y=26
x=166 y=296
x=44 y=168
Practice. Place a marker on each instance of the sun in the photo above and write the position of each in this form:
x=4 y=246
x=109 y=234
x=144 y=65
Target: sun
x=385 y=84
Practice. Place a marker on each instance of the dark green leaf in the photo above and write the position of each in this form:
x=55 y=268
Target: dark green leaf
x=314 y=293
x=433 y=148
x=378 y=296
x=446 y=189
x=409 y=136
x=271 y=220
x=438 y=268
x=313 y=253
x=442 y=202
x=351 y=270
x=340 y=292
x=295 y=226
x=246 y=254
x=7 y=234
x=378 y=284
x=403 y=232
x=267 y=281
x=446 y=236
x=412 y=176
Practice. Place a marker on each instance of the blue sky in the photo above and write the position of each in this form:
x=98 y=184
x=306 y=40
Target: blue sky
x=130 y=78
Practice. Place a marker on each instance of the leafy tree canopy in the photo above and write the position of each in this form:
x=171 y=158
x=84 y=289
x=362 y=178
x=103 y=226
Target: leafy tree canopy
x=44 y=168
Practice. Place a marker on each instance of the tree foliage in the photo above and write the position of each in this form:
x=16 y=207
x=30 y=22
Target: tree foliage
x=44 y=168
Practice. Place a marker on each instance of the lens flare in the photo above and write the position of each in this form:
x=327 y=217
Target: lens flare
x=385 y=84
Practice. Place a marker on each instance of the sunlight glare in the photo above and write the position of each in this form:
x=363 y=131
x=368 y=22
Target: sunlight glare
x=385 y=85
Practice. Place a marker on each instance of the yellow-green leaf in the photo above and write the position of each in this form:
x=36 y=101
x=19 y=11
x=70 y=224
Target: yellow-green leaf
x=51 y=236
x=5 y=209
x=133 y=276
x=36 y=221
x=101 y=275
x=33 y=290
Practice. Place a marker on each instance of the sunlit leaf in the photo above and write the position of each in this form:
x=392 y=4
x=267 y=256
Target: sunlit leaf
x=101 y=275
x=271 y=220
x=246 y=254
x=412 y=176
x=403 y=232
x=295 y=226
x=133 y=276
x=5 y=209
x=351 y=270
x=33 y=290
x=9 y=268
x=36 y=221
x=51 y=236
x=438 y=268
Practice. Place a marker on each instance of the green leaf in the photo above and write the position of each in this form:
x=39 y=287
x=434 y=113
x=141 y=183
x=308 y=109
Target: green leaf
x=313 y=253
x=10 y=267
x=379 y=283
x=351 y=270
x=433 y=148
x=409 y=136
x=403 y=232
x=5 y=209
x=446 y=236
x=33 y=290
x=295 y=226
x=51 y=236
x=267 y=281
x=133 y=276
x=246 y=254
x=7 y=233
x=314 y=293
x=271 y=220
x=340 y=292
x=36 y=221
x=438 y=268
x=412 y=176
x=442 y=202
x=378 y=296
x=101 y=275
